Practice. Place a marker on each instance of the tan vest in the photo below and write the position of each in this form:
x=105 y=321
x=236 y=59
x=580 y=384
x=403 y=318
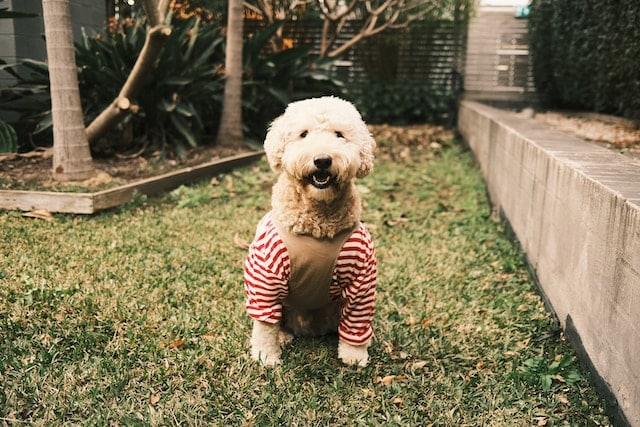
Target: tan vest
x=308 y=308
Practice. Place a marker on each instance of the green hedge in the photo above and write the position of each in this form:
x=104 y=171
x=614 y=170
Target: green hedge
x=585 y=54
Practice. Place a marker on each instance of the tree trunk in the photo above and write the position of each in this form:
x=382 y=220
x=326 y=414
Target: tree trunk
x=71 y=155
x=230 y=130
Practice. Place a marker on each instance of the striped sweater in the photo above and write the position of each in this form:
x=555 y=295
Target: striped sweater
x=268 y=268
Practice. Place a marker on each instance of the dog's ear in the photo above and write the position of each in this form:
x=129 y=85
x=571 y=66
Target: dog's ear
x=367 y=147
x=274 y=143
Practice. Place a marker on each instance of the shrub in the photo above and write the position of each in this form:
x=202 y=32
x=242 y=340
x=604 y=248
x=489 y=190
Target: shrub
x=273 y=79
x=402 y=103
x=585 y=54
x=179 y=103
x=181 y=100
x=30 y=99
x=8 y=138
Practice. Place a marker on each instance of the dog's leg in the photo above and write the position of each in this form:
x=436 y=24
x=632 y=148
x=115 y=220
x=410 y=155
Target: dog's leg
x=267 y=341
x=353 y=354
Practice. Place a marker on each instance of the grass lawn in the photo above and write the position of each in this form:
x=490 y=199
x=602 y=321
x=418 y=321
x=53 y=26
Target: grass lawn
x=136 y=316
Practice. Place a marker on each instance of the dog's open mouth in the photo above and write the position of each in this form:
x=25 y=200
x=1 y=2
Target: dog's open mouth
x=321 y=179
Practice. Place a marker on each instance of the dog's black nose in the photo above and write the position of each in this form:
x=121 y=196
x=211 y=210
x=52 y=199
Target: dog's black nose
x=322 y=162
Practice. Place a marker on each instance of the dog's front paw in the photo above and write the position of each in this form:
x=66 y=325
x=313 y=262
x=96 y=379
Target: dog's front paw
x=353 y=354
x=266 y=343
x=265 y=357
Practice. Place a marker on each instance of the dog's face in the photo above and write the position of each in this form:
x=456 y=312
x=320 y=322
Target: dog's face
x=321 y=144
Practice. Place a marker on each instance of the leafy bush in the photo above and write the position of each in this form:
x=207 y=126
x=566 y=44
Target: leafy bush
x=273 y=79
x=30 y=99
x=181 y=101
x=402 y=103
x=8 y=138
x=179 y=105
x=585 y=55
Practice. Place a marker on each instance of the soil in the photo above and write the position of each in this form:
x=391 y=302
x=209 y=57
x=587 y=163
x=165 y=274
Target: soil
x=615 y=133
x=33 y=170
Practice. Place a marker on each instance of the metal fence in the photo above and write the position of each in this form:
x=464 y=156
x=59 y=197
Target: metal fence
x=426 y=52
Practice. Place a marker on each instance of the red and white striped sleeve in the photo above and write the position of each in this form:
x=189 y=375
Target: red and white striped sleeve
x=356 y=271
x=266 y=272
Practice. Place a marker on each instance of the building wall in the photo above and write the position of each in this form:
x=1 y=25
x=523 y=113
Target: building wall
x=24 y=37
x=497 y=65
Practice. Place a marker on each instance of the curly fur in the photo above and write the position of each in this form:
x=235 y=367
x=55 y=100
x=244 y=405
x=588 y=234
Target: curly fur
x=318 y=128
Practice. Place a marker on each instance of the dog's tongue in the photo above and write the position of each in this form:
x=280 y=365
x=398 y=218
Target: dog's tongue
x=321 y=179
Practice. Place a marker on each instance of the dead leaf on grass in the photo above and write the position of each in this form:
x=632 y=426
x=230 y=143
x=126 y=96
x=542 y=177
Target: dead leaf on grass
x=176 y=344
x=39 y=214
x=541 y=421
x=155 y=398
x=241 y=243
x=392 y=222
x=416 y=365
x=367 y=392
x=229 y=185
x=427 y=322
x=390 y=379
x=209 y=336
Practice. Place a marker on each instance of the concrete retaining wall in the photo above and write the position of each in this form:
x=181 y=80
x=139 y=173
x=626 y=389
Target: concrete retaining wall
x=575 y=209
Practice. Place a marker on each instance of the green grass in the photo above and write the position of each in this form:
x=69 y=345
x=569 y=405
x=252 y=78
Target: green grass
x=136 y=316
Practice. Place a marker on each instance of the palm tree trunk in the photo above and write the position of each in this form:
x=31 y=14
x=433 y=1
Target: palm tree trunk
x=230 y=130
x=71 y=155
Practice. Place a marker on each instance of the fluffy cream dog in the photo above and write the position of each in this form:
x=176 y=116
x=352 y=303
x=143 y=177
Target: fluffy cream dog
x=311 y=267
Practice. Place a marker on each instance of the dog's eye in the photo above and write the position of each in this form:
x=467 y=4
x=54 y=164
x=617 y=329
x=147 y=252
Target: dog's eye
x=339 y=134
x=304 y=134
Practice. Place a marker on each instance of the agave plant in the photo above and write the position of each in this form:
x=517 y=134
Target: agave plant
x=8 y=138
x=274 y=79
x=178 y=107
x=30 y=99
x=180 y=104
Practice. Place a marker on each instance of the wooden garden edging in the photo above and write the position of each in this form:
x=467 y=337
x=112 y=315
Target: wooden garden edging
x=90 y=203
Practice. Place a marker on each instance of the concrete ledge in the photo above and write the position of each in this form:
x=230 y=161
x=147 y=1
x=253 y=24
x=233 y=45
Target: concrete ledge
x=575 y=209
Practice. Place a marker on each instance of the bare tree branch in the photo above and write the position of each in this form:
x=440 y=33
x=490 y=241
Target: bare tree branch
x=376 y=16
x=397 y=16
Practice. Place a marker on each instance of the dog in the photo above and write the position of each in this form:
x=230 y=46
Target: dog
x=311 y=268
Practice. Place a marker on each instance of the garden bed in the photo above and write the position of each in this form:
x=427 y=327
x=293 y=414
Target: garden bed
x=26 y=182
x=122 y=185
